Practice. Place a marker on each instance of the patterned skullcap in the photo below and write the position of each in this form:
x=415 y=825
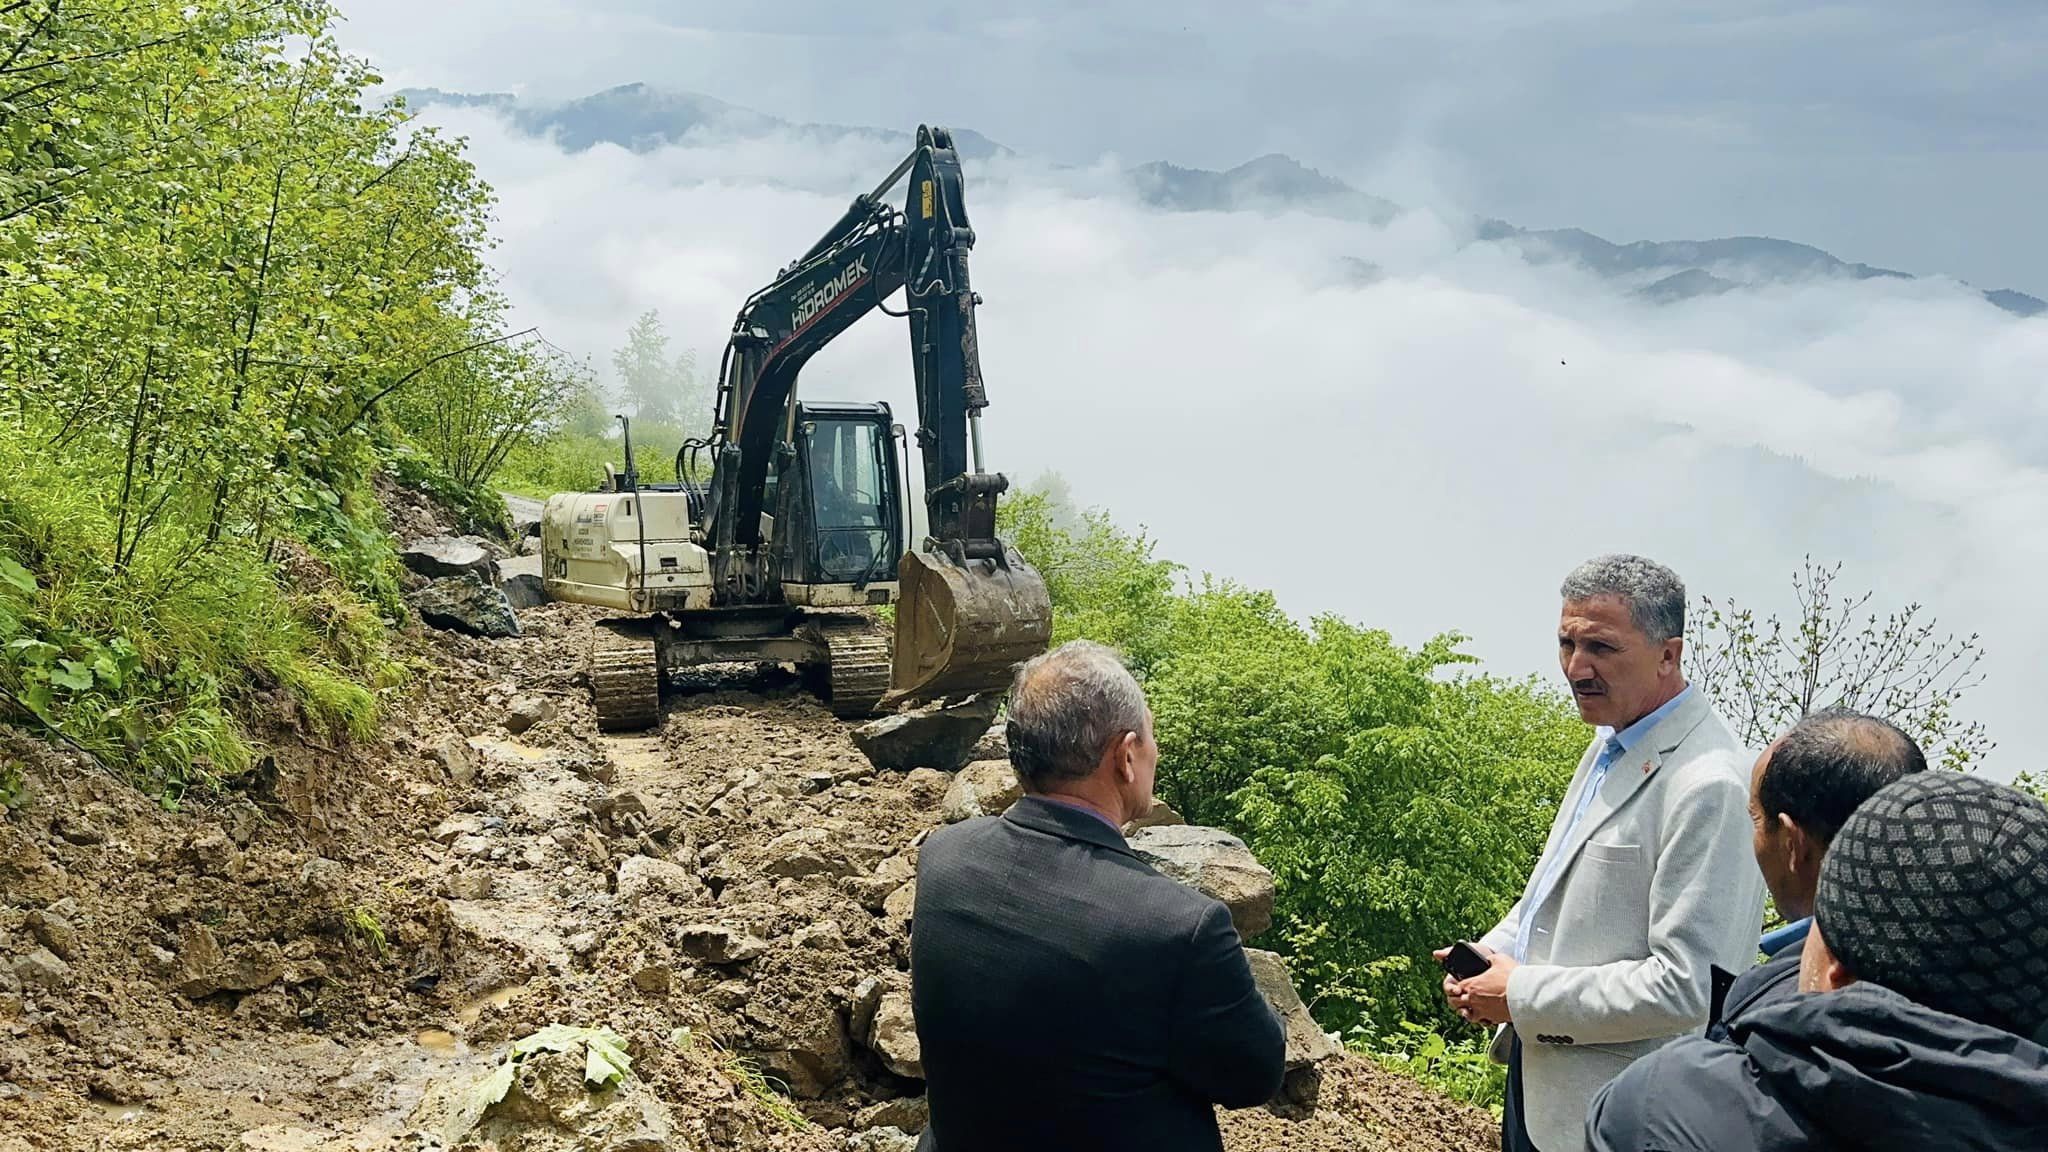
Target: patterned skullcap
x=1937 y=888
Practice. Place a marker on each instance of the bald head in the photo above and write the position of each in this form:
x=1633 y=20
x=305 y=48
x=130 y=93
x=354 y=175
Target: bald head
x=1829 y=763
x=1807 y=785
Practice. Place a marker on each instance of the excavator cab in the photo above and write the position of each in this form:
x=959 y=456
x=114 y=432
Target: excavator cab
x=845 y=503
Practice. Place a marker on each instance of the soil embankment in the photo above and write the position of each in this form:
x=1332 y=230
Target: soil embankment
x=336 y=956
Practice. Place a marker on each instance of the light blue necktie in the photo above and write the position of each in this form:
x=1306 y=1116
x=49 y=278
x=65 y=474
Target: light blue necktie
x=1609 y=753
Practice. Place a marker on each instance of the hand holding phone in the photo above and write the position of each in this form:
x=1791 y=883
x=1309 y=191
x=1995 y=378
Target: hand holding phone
x=1465 y=960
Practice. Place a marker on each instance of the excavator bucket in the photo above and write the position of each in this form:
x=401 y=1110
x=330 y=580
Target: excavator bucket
x=962 y=628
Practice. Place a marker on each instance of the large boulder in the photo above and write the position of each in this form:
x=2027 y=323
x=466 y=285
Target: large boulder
x=1160 y=813
x=466 y=604
x=524 y=590
x=983 y=788
x=940 y=736
x=1307 y=1044
x=1215 y=862
x=444 y=556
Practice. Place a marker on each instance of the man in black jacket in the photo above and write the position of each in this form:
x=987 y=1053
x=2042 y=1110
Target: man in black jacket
x=1802 y=791
x=1066 y=995
x=1923 y=1008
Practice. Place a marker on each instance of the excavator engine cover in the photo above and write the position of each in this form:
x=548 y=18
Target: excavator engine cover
x=962 y=626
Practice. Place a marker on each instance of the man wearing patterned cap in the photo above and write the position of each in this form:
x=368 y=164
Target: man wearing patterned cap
x=1926 y=999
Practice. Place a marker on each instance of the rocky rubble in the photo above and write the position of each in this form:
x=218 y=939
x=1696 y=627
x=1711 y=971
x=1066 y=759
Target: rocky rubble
x=940 y=736
x=1215 y=862
x=467 y=604
x=329 y=959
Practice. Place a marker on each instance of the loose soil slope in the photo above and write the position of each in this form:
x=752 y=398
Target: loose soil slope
x=331 y=957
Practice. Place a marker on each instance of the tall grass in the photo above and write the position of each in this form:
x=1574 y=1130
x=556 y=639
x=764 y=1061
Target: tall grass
x=159 y=667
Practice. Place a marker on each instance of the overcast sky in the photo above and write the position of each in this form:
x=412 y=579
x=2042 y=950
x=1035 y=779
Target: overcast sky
x=1432 y=450
x=1899 y=132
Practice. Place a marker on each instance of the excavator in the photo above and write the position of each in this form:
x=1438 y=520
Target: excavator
x=789 y=546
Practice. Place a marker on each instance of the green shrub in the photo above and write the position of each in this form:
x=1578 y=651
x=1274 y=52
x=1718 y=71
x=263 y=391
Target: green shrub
x=1457 y=1067
x=148 y=666
x=1399 y=806
x=572 y=461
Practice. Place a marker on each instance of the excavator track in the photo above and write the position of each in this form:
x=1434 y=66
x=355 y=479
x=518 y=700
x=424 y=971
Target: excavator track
x=859 y=668
x=625 y=680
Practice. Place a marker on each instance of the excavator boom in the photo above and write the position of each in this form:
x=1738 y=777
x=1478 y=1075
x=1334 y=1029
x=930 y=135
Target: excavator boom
x=969 y=607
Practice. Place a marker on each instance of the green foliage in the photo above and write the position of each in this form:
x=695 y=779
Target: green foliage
x=470 y=413
x=13 y=786
x=1764 y=673
x=229 y=281
x=1359 y=840
x=1105 y=584
x=1458 y=1068
x=661 y=388
x=1352 y=766
x=574 y=462
x=746 y=1075
x=605 y=1063
x=363 y=929
x=2033 y=783
x=144 y=666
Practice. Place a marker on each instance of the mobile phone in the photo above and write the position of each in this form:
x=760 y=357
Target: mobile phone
x=1465 y=961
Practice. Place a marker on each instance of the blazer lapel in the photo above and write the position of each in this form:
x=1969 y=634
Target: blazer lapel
x=1630 y=771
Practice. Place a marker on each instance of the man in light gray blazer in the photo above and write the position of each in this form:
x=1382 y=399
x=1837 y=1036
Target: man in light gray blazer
x=1647 y=880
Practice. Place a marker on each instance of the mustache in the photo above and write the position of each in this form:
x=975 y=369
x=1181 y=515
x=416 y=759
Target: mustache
x=1590 y=684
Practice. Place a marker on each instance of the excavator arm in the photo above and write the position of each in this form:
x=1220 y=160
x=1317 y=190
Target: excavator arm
x=969 y=606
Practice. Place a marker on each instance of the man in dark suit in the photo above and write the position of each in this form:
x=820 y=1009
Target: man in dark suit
x=1067 y=996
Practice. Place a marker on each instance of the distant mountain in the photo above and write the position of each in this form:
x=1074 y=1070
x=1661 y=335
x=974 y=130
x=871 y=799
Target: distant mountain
x=642 y=117
x=1271 y=181
x=2017 y=303
x=1686 y=285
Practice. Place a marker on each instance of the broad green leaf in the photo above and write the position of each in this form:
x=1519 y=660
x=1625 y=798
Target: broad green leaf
x=15 y=576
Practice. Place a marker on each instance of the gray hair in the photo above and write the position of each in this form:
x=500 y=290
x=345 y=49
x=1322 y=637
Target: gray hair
x=1654 y=594
x=1066 y=706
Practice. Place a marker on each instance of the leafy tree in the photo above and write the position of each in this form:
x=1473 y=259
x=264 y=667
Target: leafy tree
x=223 y=273
x=2034 y=783
x=471 y=414
x=1764 y=673
x=660 y=388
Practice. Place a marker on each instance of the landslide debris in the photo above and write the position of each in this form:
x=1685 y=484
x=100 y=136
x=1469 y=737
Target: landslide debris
x=341 y=951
